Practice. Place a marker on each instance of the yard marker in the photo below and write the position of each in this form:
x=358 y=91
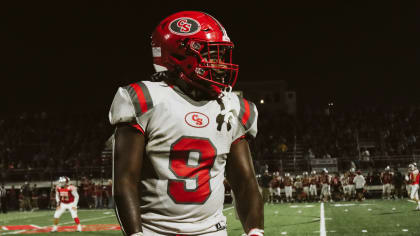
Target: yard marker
x=284 y=233
x=364 y=231
x=411 y=201
x=405 y=230
x=322 y=221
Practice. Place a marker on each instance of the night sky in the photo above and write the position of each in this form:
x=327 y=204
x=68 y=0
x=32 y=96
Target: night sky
x=72 y=55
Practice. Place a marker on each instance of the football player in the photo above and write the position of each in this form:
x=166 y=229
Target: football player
x=305 y=183
x=414 y=178
x=176 y=136
x=67 y=198
x=313 y=190
x=350 y=184
x=345 y=184
x=325 y=180
x=386 y=179
x=275 y=187
x=288 y=187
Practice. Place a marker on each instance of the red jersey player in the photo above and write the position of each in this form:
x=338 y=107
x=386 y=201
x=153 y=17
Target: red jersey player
x=67 y=198
x=414 y=178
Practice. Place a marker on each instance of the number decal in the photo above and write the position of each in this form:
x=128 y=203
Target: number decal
x=179 y=158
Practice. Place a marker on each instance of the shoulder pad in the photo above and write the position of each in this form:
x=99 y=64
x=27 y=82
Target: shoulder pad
x=130 y=102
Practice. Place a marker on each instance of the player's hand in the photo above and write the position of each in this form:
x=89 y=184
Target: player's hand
x=58 y=207
x=74 y=208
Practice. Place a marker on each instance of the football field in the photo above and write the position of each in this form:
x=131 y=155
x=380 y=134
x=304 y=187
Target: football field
x=372 y=217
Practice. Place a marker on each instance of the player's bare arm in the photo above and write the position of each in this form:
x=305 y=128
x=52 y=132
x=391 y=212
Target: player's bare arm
x=128 y=160
x=241 y=176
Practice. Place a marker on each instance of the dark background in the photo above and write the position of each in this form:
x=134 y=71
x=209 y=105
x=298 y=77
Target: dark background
x=72 y=55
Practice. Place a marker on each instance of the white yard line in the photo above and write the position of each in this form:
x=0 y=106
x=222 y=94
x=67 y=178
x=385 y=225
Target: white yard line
x=36 y=226
x=85 y=220
x=14 y=232
x=226 y=209
x=322 y=231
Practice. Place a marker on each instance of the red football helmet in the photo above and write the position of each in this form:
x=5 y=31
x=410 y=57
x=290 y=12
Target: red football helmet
x=195 y=45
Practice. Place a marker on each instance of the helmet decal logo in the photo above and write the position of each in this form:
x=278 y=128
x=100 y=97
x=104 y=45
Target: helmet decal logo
x=184 y=26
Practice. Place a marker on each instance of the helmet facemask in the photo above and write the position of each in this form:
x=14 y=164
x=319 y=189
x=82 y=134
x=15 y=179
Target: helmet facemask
x=214 y=62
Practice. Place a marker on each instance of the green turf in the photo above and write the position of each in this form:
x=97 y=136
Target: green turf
x=376 y=217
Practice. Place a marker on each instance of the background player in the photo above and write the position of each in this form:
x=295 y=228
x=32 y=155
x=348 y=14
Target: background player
x=313 y=187
x=288 y=187
x=178 y=134
x=414 y=178
x=67 y=198
x=386 y=179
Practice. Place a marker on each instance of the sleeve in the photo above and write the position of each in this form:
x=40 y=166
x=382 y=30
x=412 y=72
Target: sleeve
x=76 y=195
x=130 y=105
x=247 y=119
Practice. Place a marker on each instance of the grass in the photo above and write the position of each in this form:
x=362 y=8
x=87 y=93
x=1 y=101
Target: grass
x=372 y=217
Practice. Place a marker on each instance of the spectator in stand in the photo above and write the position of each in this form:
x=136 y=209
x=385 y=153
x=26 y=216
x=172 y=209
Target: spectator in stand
x=359 y=182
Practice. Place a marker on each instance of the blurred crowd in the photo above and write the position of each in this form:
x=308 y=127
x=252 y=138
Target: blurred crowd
x=51 y=143
x=43 y=146
x=330 y=132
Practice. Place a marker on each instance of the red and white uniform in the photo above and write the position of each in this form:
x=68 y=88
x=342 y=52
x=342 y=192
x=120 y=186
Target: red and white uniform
x=350 y=186
x=386 y=178
x=288 y=186
x=314 y=180
x=306 y=183
x=275 y=185
x=186 y=151
x=325 y=180
x=67 y=199
x=415 y=179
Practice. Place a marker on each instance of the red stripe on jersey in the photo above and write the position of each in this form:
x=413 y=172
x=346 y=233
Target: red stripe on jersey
x=245 y=117
x=140 y=97
x=138 y=127
x=238 y=139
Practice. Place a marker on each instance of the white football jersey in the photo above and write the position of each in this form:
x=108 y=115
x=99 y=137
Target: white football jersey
x=187 y=147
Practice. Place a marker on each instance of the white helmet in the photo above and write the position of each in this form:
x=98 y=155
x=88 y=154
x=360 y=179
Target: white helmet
x=287 y=174
x=412 y=167
x=387 y=168
x=352 y=170
x=325 y=171
x=313 y=172
x=63 y=180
